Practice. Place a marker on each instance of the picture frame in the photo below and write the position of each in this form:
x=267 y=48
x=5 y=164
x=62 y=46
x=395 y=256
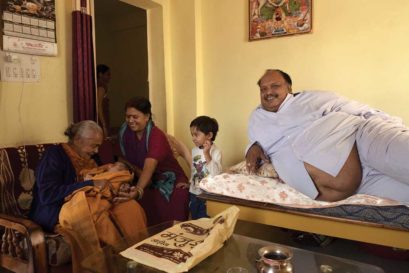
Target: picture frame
x=277 y=18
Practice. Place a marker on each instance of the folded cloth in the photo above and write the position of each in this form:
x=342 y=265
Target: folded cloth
x=181 y=247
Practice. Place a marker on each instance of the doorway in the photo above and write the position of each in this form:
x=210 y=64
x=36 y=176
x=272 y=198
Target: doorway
x=121 y=44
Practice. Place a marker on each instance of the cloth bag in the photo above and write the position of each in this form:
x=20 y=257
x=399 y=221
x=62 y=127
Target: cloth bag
x=184 y=245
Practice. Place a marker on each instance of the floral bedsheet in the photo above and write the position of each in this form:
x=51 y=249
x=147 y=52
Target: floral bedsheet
x=273 y=190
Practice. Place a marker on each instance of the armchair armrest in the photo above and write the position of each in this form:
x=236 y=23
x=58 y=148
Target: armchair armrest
x=23 y=246
x=180 y=149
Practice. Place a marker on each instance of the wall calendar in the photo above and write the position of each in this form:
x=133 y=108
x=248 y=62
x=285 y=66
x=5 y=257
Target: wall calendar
x=29 y=26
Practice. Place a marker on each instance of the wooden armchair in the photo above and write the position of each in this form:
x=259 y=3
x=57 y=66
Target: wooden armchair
x=23 y=242
x=180 y=150
x=23 y=247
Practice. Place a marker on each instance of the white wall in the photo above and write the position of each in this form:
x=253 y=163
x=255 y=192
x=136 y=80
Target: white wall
x=357 y=49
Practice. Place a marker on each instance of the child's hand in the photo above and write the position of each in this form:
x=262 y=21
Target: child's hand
x=206 y=146
x=126 y=187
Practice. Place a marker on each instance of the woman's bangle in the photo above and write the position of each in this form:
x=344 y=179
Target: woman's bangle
x=140 y=192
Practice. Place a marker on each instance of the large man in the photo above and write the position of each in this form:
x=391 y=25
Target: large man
x=326 y=146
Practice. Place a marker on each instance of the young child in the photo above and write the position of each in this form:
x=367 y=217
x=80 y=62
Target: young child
x=206 y=160
x=117 y=174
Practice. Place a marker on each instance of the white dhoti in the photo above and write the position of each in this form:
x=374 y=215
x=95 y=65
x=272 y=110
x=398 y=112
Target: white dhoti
x=383 y=148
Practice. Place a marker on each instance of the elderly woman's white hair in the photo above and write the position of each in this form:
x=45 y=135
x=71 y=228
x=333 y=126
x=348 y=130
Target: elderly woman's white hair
x=82 y=129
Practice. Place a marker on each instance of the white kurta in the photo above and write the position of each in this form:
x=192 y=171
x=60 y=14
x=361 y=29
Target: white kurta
x=319 y=128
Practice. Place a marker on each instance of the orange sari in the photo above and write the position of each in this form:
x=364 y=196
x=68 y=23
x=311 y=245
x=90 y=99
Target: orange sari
x=89 y=221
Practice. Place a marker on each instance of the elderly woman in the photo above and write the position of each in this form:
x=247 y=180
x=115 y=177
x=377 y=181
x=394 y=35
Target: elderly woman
x=60 y=203
x=162 y=185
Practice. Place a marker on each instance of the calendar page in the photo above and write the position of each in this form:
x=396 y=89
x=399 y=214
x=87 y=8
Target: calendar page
x=29 y=26
x=30 y=19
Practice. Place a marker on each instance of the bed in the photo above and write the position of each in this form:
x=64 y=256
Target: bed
x=264 y=199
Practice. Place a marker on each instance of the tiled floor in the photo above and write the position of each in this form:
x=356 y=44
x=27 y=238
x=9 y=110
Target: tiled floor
x=339 y=247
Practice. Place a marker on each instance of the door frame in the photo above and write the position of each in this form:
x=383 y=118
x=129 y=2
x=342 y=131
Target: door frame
x=158 y=89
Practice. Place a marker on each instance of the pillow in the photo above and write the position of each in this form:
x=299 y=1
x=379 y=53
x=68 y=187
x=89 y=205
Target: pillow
x=266 y=170
x=274 y=191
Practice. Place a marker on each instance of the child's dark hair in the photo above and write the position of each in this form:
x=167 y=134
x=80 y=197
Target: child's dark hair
x=206 y=125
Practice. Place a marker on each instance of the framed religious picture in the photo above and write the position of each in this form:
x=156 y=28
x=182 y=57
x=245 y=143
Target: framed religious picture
x=276 y=18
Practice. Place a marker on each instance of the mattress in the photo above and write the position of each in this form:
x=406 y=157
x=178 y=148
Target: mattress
x=273 y=193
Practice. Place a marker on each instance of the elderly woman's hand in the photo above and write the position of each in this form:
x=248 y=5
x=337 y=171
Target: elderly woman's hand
x=133 y=192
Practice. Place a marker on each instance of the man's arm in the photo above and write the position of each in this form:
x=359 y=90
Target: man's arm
x=254 y=156
x=254 y=153
x=342 y=104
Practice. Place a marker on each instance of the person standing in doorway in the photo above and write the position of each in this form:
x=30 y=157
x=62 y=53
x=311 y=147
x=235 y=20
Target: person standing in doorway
x=103 y=79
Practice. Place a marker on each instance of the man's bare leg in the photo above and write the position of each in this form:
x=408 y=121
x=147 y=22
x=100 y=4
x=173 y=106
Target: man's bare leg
x=343 y=185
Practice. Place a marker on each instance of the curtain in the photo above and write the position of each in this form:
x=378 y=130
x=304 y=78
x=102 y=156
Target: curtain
x=84 y=101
